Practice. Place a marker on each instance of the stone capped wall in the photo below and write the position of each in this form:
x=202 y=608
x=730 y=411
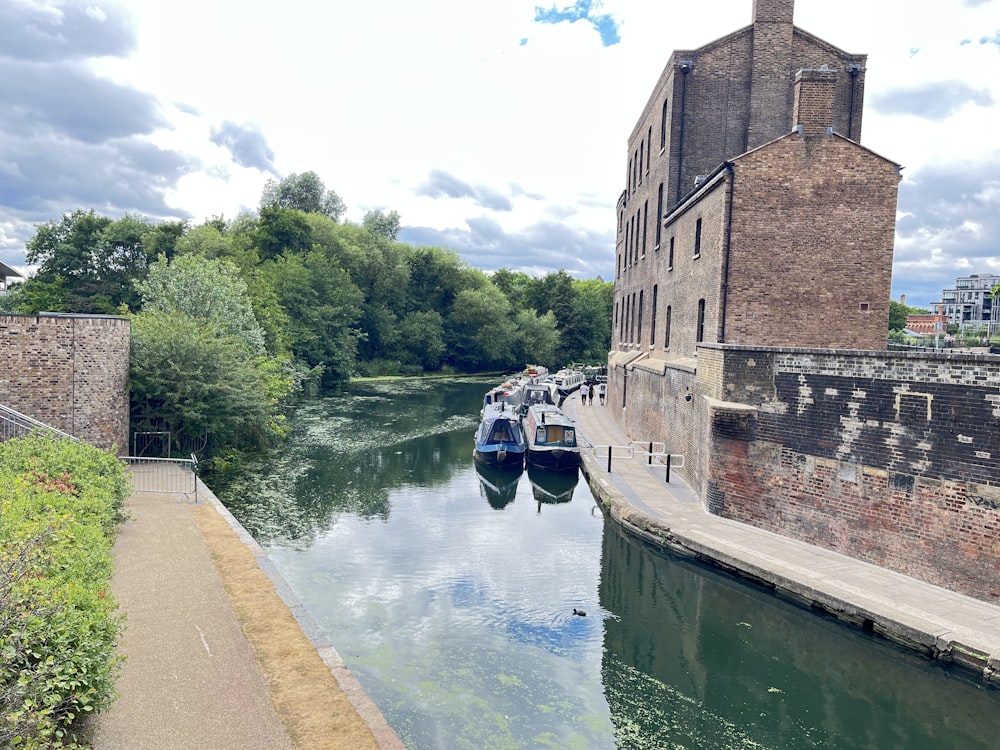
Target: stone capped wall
x=69 y=371
x=890 y=458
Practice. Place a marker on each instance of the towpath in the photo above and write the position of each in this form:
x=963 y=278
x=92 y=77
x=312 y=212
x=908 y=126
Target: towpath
x=948 y=625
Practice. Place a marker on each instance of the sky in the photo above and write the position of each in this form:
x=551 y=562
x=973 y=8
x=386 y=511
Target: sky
x=496 y=129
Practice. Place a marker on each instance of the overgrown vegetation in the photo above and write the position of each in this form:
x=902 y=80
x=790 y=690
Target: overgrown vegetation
x=231 y=318
x=60 y=505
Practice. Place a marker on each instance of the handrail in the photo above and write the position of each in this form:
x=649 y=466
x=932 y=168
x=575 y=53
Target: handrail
x=14 y=424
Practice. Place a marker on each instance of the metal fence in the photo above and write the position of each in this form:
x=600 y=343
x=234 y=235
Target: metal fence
x=653 y=452
x=14 y=424
x=169 y=475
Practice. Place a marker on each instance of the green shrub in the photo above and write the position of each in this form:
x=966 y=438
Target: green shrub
x=60 y=505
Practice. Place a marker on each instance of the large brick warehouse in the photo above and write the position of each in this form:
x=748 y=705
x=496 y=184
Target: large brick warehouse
x=752 y=286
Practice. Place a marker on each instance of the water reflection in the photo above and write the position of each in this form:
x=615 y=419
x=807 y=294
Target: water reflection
x=697 y=659
x=458 y=619
x=551 y=487
x=498 y=486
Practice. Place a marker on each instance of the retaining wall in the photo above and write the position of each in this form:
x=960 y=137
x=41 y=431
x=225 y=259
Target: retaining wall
x=69 y=371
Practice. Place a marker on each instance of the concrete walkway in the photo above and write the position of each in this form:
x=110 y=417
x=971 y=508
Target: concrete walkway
x=944 y=624
x=191 y=678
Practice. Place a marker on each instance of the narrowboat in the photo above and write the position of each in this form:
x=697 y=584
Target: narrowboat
x=499 y=439
x=551 y=439
x=567 y=381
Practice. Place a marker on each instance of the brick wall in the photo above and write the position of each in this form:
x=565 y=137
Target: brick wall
x=889 y=458
x=812 y=243
x=69 y=371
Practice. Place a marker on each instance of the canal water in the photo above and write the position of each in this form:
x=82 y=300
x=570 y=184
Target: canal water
x=450 y=595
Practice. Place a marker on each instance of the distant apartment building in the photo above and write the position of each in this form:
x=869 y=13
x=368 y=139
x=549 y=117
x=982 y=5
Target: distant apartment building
x=970 y=303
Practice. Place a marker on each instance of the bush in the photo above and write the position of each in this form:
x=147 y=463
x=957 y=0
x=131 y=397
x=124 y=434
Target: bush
x=60 y=505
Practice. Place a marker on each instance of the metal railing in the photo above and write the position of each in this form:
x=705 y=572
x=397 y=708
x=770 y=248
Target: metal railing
x=168 y=475
x=14 y=424
x=651 y=450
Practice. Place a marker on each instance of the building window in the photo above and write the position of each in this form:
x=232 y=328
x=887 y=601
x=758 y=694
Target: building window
x=639 y=337
x=697 y=240
x=645 y=224
x=642 y=153
x=701 y=321
x=670 y=256
x=631 y=325
x=626 y=244
x=663 y=127
x=659 y=215
x=864 y=307
x=628 y=181
x=666 y=335
x=652 y=319
x=649 y=140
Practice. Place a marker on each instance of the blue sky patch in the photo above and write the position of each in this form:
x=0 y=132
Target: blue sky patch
x=583 y=10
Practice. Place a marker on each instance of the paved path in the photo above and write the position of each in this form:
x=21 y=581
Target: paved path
x=943 y=623
x=191 y=679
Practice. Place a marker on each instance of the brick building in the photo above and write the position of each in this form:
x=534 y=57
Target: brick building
x=752 y=291
x=758 y=176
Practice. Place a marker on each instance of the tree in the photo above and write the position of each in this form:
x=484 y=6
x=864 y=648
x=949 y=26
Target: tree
x=281 y=229
x=94 y=259
x=322 y=304
x=305 y=192
x=382 y=224
x=192 y=381
x=204 y=289
x=482 y=333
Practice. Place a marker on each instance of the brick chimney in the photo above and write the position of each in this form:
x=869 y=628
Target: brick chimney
x=773 y=49
x=773 y=11
x=812 y=109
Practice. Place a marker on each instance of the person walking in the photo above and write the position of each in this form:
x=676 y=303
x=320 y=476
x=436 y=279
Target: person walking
x=584 y=393
x=602 y=392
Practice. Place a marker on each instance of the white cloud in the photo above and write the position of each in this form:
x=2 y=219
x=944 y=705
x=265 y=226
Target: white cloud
x=377 y=98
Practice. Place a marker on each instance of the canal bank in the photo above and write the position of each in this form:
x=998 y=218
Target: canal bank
x=929 y=619
x=218 y=652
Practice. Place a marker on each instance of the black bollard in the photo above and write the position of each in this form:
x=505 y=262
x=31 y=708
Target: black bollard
x=668 y=468
x=650 y=459
x=609 y=458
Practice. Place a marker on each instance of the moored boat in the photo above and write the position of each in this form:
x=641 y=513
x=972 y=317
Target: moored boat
x=551 y=439
x=533 y=394
x=499 y=439
x=567 y=381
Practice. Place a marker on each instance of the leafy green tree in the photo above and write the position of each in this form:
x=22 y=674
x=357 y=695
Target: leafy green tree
x=281 y=229
x=421 y=340
x=190 y=380
x=381 y=223
x=537 y=337
x=514 y=285
x=481 y=333
x=305 y=192
x=897 y=315
x=323 y=305
x=207 y=240
x=205 y=289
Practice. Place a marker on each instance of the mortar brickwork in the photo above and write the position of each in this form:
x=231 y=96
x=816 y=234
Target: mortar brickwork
x=889 y=458
x=69 y=371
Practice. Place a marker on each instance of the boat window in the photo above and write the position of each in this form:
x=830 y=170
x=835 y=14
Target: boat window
x=501 y=431
x=540 y=435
